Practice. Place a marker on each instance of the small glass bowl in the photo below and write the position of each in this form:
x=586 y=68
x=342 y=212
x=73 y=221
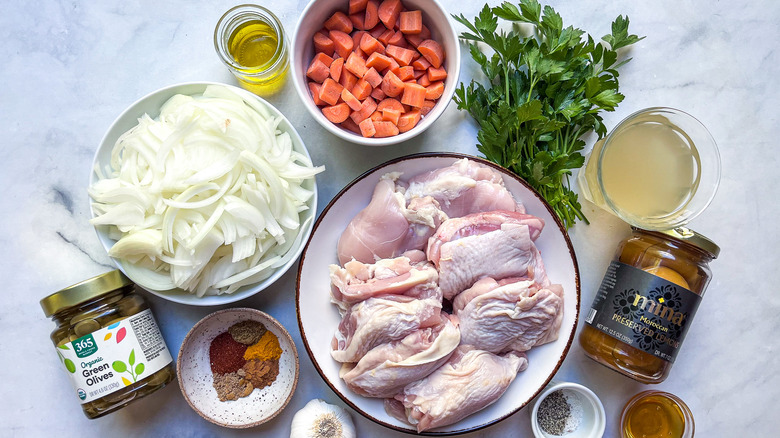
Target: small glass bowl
x=263 y=79
x=686 y=416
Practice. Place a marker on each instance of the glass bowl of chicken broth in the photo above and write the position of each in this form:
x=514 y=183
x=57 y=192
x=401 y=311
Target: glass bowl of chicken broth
x=395 y=279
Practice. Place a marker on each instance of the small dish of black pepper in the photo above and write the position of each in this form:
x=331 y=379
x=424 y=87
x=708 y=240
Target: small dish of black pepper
x=567 y=410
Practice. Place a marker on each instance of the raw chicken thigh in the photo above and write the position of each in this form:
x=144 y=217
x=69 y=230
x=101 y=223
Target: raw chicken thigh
x=386 y=369
x=376 y=321
x=463 y=188
x=411 y=275
x=469 y=381
x=388 y=227
x=513 y=314
x=496 y=244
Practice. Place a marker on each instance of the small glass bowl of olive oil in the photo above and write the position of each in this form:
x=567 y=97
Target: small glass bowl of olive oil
x=251 y=42
x=656 y=414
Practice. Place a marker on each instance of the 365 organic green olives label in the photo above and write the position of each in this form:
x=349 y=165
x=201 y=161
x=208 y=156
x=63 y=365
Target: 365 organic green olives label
x=115 y=356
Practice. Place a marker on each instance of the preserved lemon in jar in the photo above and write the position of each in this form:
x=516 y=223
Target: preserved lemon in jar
x=108 y=342
x=646 y=302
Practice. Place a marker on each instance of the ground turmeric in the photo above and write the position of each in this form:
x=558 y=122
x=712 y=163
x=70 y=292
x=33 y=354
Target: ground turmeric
x=267 y=348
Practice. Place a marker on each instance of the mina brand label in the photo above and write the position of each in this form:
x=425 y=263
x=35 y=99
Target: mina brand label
x=643 y=310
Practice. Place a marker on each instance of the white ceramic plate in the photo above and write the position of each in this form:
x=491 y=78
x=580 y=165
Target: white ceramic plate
x=196 y=381
x=150 y=104
x=318 y=318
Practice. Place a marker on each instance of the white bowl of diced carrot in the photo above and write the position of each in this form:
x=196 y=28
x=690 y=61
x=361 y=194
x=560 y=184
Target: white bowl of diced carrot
x=375 y=72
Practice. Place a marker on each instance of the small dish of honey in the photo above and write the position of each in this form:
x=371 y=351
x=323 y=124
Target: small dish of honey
x=656 y=414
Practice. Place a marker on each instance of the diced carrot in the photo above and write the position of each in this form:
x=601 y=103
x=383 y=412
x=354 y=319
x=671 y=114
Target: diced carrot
x=336 y=113
x=427 y=107
x=425 y=34
x=356 y=6
x=391 y=115
x=330 y=91
x=391 y=85
x=342 y=42
x=367 y=128
x=423 y=80
x=339 y=21
x=403 y=56
x=376 y=117
x=405 y=73
x=421 y=64
x=378 y=61
x=419 y=73
x=335 y=68
x=398 y=40
x=414 y=94
x=350 y=99
x=373 y=77
x=356 y=37
x=372 y=14
x=314 y=89
x=390 y=103
x=356 y=65
x=389 y=11
x=408 y=120
x=323 y=44
x=350 y=125
x=378 y=30
x=411 y=22
x=357 y=21
x=365 y=111
x=385 y=129
x=437 y=74
x=378 y=94
x=362 y=89
x=432 y=51
x=415 y=55
x=318 y=71
x=434 y=91
x=348 y=80
x=325 y=59
x=370 y=45
x=384 y=38
x=394 y=66
x=415 y=40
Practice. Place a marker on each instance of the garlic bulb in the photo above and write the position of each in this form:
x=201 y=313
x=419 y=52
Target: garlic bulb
x=322 y=420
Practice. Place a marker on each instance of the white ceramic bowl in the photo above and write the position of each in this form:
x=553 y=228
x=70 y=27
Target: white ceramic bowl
x=318 y=318
x=312 y=18
x=150 y=104
x=593 y=421
x=196 y=381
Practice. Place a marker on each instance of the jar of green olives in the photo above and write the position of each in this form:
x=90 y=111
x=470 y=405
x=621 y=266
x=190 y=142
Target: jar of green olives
x=108 y=342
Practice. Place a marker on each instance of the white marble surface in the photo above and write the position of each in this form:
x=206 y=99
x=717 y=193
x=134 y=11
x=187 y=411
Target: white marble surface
x=69 y=68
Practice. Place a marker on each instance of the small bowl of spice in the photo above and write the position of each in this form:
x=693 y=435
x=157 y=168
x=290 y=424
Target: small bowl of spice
x=238 y=368
x=568 y=410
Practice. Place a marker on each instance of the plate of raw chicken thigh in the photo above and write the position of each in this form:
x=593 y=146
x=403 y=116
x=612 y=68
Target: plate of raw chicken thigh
x=438 y=294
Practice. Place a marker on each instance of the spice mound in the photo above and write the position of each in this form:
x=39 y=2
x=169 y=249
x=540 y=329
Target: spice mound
x=243 y=358
x=560 y=413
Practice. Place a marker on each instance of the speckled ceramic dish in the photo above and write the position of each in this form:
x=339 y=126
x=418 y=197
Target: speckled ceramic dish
x=318 y=319
x=195 y=377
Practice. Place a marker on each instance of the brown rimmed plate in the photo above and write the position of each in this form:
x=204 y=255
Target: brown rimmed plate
x=318 y=318
x=196 y=380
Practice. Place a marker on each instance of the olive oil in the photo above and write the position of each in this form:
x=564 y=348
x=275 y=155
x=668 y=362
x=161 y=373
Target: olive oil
x=656 y=415
x=251 y=42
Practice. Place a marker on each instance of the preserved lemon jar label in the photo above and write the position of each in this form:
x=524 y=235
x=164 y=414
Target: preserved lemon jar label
x=114 y=357
x=643 y=310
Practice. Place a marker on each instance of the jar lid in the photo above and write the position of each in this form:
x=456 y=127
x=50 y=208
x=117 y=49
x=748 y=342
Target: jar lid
x=686 y=235
x=84 y=291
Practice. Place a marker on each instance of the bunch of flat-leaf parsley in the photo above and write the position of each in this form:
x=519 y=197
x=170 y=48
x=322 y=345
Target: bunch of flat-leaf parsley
x=545 y=92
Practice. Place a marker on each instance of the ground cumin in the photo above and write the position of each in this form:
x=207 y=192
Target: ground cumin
x=232 y=386
x=267 y=348
x=260 y=372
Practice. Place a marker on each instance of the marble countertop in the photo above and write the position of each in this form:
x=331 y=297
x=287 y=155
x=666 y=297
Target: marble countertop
x=69 y=68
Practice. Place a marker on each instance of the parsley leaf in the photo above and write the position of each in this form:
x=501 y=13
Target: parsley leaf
x=543 y=93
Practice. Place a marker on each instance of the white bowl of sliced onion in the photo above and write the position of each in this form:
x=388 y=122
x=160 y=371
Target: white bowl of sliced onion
x=203 y=193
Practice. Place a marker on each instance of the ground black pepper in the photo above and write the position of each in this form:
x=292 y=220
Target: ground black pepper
x=553 y=413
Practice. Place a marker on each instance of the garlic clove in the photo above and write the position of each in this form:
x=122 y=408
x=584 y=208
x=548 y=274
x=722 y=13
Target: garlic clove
x=319 y=419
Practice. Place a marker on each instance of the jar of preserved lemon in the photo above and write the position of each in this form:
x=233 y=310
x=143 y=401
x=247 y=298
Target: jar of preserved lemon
x=108 y=342
x=647 y=300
